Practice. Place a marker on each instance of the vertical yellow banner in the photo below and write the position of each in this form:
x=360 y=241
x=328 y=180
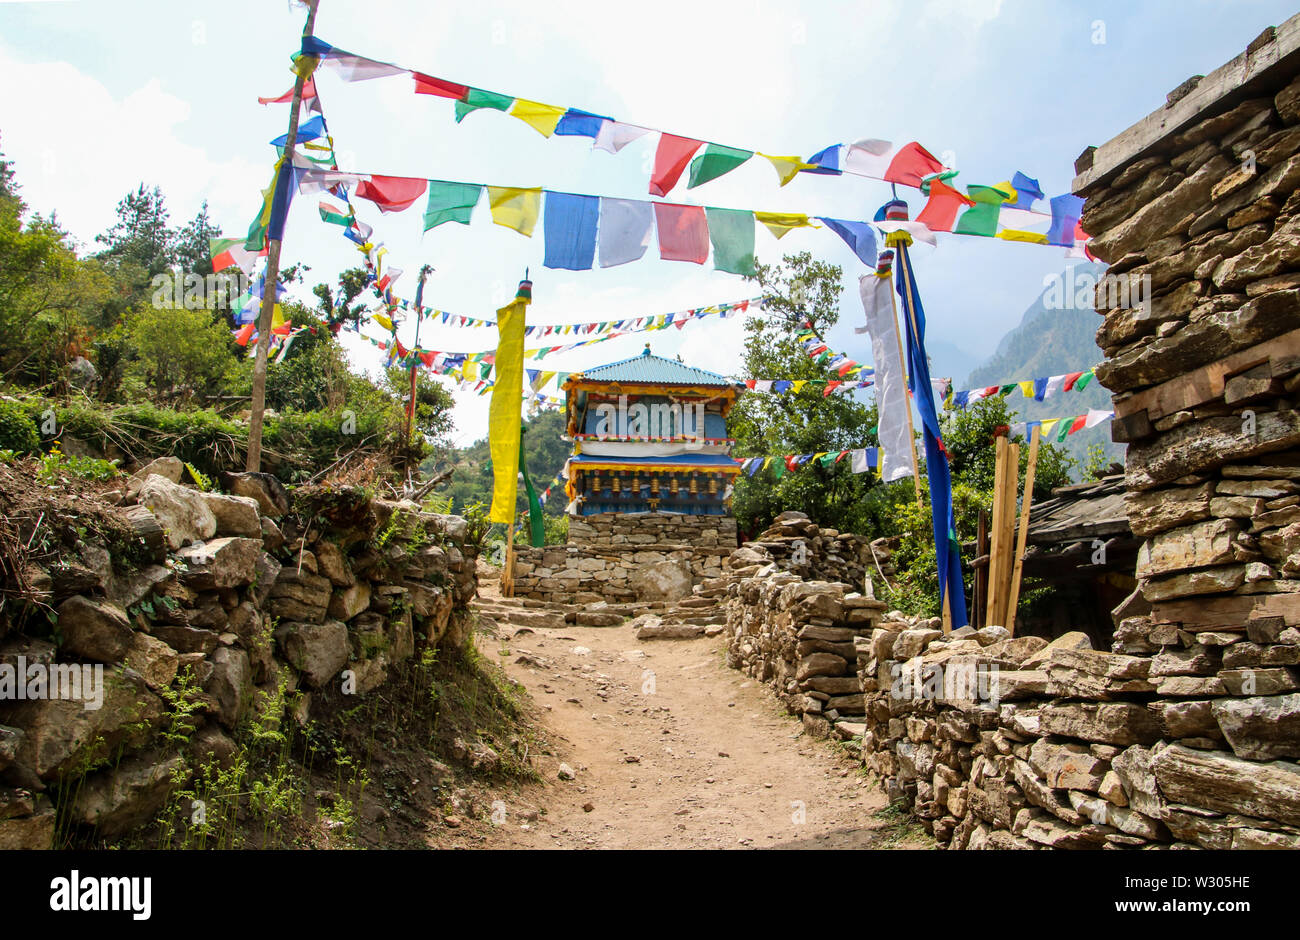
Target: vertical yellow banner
x=507 y=399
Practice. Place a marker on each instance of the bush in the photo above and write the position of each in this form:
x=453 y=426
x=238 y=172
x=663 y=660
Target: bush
x=18 y=429
x=180 y=352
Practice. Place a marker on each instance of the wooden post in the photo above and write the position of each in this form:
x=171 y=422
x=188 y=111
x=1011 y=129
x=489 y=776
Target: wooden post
x=271 y=282
x=1012 y=472
x=508 y=570
x=1014 y=597
x=979 y=601
x=995 y=542
x=415 y=349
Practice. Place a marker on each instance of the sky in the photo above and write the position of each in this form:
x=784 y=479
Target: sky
x=100 y=96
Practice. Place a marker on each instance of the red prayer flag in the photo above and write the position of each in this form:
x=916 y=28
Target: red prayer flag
x=428 y=85
x=790 y=462
x=910 y=164
x=1071 y=379
x=941 y=211
x=308 y=91
x=244 y=335
x=1079 y=424
x=830 y=387
x=683 y=232
x=671 y=158
x=392 y=193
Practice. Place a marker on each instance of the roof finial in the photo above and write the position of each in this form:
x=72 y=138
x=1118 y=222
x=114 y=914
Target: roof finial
x=646 y=351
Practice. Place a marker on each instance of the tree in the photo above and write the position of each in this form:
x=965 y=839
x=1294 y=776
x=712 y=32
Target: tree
x=140 y=237
x=192 y=244
x=180 y=354
x=799 y=294
x=339 y=305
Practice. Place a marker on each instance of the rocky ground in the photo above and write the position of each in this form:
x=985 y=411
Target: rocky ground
x=657 y=744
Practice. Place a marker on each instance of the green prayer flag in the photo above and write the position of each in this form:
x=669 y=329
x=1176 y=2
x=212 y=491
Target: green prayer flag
x=828 y=460
x=1082 y=382
x=778 y=467
x=477 y=98
x=732 y=233
x=536 y=527
x=1065 y=423
x=335 y=218
x=982 y=218
x=450 y=202
x=714 y=162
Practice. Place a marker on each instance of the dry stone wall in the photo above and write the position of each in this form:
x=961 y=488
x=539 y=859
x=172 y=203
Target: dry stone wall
x=627 y=557
x=241 y=601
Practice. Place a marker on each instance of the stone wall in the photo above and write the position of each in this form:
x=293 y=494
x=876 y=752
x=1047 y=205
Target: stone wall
x=240 y=601
x=627 y=556
x=999 y=742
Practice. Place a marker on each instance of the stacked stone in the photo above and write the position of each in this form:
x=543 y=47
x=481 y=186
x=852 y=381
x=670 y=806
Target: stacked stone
x=796 y=544
x=245 y=597
x=1066 y=747
x=627 y=556
x=798 y=636
x=1209 y=218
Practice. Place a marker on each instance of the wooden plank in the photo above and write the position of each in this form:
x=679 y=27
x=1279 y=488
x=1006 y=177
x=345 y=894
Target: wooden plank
x=1013 y=598
x=980 y=563
x=1012 y=471
x=1216 y=91
x=995 y=555
x=1207 y=383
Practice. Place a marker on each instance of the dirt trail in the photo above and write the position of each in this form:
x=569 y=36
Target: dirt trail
x=672 y=749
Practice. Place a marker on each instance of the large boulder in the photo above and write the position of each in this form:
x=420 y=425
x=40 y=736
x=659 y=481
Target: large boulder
x=182 y=512
x=1261 y=728
x=317 y=650
x=1223 y=783
x=236 y=515
x=272 y=499
x=119 y=799
x=221 y=563
x=94 y=629
x=60 y=735
x=231 y=684
x=661 y=581
x=170 y=468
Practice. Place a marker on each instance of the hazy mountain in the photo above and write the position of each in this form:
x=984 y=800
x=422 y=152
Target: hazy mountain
x=1053 y=338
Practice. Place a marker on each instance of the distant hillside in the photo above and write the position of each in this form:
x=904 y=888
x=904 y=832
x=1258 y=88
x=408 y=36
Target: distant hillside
x=1049 y=342
x=544 y=453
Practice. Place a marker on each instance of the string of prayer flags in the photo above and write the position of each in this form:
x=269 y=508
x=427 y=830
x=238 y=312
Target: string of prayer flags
x=861 y=459
x=1039 y=389
x=1058 y=429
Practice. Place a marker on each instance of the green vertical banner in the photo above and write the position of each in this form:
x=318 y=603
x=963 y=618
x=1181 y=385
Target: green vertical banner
x=536 y=528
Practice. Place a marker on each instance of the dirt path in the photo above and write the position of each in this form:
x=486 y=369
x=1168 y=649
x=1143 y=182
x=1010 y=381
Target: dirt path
x=672 y=749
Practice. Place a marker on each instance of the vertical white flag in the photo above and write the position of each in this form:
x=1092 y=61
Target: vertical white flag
x=891 y=386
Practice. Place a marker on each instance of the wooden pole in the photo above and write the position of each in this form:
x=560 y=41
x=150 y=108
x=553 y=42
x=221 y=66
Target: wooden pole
x=415 y=360
x=269 y=287
x=1011 y=477
x=508 y=571
x=995 y=541
x=981 y=588
x=1014 y=597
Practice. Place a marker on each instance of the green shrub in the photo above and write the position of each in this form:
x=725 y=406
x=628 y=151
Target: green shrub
x=18 y=429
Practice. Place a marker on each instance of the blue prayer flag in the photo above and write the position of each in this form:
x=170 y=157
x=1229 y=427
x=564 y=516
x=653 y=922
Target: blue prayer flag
x=570 y=227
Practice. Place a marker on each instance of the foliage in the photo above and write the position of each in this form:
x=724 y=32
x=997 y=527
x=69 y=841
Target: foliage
x=18 y=431
x=56 y=465
x=545 y=452
x=179 y=353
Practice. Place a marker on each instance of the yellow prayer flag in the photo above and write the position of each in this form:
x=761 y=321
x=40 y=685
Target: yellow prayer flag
x=540 y=117
x=515 y=208
x=778 y=223
x=787 y=168
x=383 y=321
x=277 y=317
x=1017 y=235
x=798 y=385
x=503 y=413
x=1027 y=388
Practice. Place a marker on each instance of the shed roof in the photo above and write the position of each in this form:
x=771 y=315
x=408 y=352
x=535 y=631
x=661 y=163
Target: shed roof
x=652 y=370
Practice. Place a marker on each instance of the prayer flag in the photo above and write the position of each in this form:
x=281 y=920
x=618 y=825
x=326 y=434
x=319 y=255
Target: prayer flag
x=392 y=193
x=625 y=228
x=504 y=420
x=683 y=232
x=428 y=85
x=732 y=233
x=570 y=230
x=515 y=208
x=450 y=202
x=671 y=158
x=542 y=118
x=714 y=162
x=476 y=98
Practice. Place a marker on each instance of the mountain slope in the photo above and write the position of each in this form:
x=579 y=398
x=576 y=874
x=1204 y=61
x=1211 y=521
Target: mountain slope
x=1050 y=342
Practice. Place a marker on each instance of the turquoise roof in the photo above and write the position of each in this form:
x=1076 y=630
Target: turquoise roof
x=652 y=369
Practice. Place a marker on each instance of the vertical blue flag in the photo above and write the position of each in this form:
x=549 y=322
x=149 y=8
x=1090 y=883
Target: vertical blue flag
x=570 y=227
x=946 y=547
